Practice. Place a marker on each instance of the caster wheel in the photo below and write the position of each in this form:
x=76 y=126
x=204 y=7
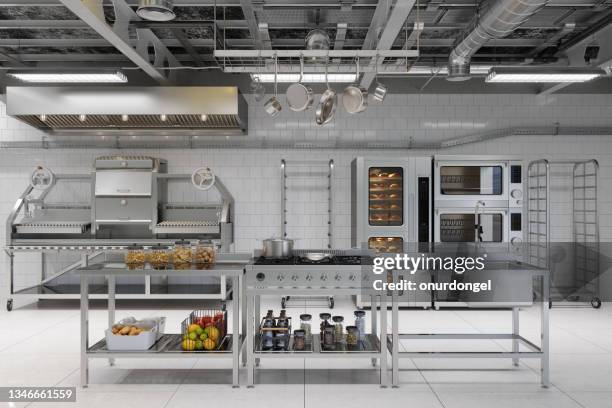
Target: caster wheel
x=9 y=305
x=596 y=303
x=331 y=303
x=283 y=303
x=550 y=304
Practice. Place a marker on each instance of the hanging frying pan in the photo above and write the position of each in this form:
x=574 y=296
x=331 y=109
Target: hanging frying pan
x=299 y=96
x=355 y=97
x=327 y=104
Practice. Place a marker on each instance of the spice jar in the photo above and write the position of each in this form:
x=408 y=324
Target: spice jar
x=267 y=332
x=299 y=340
x=338 y=329
x=181 y=254
x=328 y=337
x=306 y=326
x=158 y=257
x=324 y=322
x=204 y=253
x=360 y=323
x=135 y=257
x=352 y=335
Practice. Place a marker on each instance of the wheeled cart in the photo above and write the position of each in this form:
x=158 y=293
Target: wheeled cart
x=169 y=346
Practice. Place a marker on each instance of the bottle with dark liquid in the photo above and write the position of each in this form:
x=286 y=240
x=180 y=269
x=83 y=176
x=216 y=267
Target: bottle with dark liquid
x=267 y=336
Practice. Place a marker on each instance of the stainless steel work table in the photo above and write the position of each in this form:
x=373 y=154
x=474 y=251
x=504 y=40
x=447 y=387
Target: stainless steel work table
x=541 y=352
x=169 y=348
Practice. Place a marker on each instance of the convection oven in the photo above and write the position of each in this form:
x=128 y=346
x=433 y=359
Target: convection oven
x=391 y=206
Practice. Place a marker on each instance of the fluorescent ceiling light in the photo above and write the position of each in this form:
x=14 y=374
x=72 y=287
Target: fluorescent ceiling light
x=70 y=77
x=308 y=78
x=543 y=74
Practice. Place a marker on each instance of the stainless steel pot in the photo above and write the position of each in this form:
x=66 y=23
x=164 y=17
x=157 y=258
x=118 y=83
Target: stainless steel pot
x=277 y=248
x=381 y=90
x=317 y=40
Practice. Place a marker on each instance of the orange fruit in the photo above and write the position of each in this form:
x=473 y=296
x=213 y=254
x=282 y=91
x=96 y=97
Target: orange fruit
x=209 y=344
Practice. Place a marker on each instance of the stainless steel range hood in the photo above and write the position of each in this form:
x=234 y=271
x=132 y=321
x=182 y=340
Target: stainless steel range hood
x=130 y=110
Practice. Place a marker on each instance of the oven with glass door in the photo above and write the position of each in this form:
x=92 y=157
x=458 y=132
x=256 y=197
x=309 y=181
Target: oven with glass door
x=391 y=207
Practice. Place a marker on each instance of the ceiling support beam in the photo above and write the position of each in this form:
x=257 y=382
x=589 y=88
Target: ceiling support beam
x=554 y=39
x=390 y=31
x=249 y=15
x=264 y=36
x=90 y=11
x=574 y=53
x=180 y=35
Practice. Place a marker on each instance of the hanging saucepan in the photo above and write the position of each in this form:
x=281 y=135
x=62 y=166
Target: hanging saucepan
x=355 y=97
x=381 y=90
x=299 y=96
x=273 y=106
x=327 y=104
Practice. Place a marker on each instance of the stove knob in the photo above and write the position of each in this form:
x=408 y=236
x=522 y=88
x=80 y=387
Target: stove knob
x=280 y=278
x=309 y=277
x=516 y=194
x=295 y=278
x=260 y=276
x=516 y=241
x=352 y=277
x=338 y=277
x=323 y=276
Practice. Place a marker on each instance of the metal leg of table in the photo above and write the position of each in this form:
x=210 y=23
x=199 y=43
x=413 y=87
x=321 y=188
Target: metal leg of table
x=243 y=318
x=384 y=378
x=515 y=332
x=235 y=334
x=395 y=339
x=249 y=342
x=84 y=331
x=545 y=363
x=111 y=307
x=256 y=319
x=374 y=317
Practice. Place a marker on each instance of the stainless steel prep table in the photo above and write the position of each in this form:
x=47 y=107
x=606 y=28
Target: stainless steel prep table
x=541 y=352
x=230 y=269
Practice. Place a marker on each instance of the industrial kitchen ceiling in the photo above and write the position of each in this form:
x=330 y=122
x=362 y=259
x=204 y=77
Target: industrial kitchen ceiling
x=42 y=34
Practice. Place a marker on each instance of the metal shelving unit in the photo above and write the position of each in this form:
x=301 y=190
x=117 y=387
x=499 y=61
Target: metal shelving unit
x=584 y=225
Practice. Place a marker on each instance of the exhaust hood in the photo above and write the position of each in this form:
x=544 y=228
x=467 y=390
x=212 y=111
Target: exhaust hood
x=120 y=111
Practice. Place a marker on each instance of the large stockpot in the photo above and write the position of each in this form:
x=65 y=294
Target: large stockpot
x=277 y=248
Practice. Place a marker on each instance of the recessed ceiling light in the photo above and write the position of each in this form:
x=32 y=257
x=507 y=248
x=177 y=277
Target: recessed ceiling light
x=82 y=118
x=163 y=117
x=125 y=118
x=69 y=77
x=43 y=117
x=203 y=118
x=542 y=74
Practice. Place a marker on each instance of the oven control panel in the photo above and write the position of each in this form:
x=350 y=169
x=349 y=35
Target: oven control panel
x=316 y=278
x=515 y=185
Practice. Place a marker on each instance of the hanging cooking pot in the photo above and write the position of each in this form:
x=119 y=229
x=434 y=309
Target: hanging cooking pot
x=381 y=90
x=299 y=96
x=273 y=106
x=355 y=97
x=327 y=104
x=277 y=248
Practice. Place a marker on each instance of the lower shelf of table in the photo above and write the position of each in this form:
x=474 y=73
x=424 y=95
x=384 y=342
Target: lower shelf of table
x=369 y=347
x=169 y=346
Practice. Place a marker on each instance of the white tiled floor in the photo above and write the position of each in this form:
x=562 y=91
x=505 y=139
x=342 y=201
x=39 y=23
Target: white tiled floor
x=39 y=346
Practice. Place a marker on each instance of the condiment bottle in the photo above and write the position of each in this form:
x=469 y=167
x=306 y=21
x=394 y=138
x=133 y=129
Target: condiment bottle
x=360 y=323
x=352 y=334
x=267 y=336
x=324 y=321
x=306 y=326
x=299 y=340
x=338 y=329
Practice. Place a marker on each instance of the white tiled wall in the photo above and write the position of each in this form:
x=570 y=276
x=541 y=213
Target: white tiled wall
x=252 y=175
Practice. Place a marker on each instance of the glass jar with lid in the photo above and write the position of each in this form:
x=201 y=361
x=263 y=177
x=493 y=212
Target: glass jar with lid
x=352 y=336
x=338 y=329
x=135 y=257
x=306 y=326
x=325 y=317
x=181 y=254
x=158 y=257
x=328 y=338
x=299 y=340
x=204 y=253
x=360 y=323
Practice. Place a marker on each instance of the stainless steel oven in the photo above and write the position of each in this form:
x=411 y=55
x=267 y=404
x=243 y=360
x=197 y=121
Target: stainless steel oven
x=391 y=205
x=471 y=225
x=462 y=180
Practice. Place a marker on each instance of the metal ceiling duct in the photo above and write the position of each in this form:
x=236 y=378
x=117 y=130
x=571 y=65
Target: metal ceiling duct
x=502 y=18
x=156 y=10
x=151 y=111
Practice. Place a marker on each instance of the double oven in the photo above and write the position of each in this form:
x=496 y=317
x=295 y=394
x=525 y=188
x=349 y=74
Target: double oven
x=479 y=200
x=391 y=207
